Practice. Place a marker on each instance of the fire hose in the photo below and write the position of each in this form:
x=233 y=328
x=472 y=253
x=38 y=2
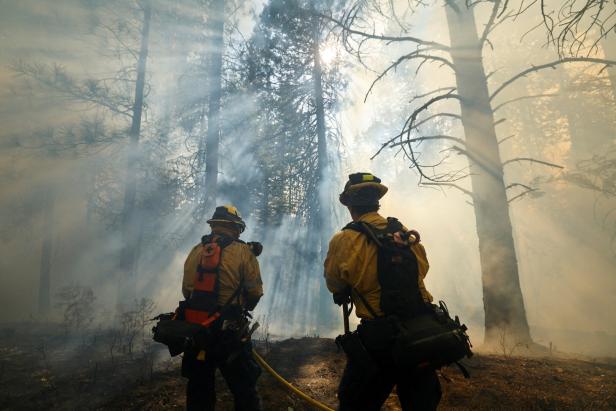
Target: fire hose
x=288 y=385
x=258 y=358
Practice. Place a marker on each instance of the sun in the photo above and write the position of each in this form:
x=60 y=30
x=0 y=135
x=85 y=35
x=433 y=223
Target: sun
x=329 y=54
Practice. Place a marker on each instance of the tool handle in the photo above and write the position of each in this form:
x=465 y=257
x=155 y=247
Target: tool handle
x=346 y=314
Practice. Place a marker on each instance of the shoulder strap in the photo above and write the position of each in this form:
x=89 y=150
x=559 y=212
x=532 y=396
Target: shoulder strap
x=221 y=239
x=368 y=230
x=365 y=303
x=364 y=228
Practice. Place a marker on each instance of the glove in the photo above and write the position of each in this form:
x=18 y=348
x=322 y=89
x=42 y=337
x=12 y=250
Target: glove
x=255 y=247
x=342 y=298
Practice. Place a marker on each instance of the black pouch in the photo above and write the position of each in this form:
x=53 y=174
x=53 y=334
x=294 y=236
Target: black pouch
x=433 y=339
x=175 y=334
x=378 y=334
x=356 y=352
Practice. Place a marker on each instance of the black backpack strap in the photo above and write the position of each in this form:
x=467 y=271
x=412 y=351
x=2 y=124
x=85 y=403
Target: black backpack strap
x=364 y=228
x=368 y=230
x=365 y=303
x=222 y=240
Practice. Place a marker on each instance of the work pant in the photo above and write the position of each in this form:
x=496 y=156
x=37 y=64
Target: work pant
x=362 y=389
x=239 y=370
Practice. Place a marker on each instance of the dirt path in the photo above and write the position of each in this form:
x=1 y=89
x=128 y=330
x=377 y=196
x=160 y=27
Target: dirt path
x=497 y=383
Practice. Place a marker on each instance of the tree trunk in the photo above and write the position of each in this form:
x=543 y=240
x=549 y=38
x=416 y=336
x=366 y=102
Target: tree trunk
x=130 y=223
x=323 y=221
x=503 y=302
x=216 y=32
x=49 y=201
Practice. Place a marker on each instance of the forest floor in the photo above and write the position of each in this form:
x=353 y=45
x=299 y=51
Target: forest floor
x=38 y=372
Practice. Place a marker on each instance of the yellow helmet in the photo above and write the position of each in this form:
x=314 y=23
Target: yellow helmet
x=362 y=189
x=228 y=214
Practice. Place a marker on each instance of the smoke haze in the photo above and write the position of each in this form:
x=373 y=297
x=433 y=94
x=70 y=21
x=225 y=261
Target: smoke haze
x=564 y=233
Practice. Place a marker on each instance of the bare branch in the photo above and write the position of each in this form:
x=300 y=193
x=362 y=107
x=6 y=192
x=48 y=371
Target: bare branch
x=490 y=22
x=428 y=138
x=411 y=56
x=372 y=36
x=551 y=65
x=411 y=120
x=522 y=194
x=465 y=191
x=425 y=120
x=513 y=100
x=531 y=160
x=513 y=185
x=429 y=93
x=506 y=138
x=579 y=25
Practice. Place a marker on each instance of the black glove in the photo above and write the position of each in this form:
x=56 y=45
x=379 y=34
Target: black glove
x=343 y=297
x=255 y=247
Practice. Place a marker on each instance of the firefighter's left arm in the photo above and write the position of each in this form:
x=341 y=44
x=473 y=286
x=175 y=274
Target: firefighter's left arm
x=190 y=268
x=253 y=285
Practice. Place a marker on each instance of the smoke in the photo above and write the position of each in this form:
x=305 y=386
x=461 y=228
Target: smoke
x=564 y=254
x=563 y=243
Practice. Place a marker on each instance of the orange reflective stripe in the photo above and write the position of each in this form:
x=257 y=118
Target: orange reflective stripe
x=210 y=320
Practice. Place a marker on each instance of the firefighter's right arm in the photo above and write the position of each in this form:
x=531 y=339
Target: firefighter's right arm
x=253 y=285
x=336 y=264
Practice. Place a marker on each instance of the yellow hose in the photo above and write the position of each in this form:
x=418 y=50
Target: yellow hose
x=288 y=385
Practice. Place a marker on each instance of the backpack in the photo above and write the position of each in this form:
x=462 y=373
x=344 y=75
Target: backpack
x=197 y=320
x=202 y=306
x=397 y=269
x=426 y=334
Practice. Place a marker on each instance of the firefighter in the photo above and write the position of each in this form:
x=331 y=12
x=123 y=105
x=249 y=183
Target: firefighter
x=221 y=283
x=351 y=274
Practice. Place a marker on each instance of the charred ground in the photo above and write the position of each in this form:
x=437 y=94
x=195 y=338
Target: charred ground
x=43 y=369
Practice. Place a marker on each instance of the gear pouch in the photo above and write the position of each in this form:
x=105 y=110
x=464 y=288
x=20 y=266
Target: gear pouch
x=356 y=352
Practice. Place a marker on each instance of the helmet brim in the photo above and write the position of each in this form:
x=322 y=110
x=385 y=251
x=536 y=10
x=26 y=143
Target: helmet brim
x=379 y=190
x=240 y=224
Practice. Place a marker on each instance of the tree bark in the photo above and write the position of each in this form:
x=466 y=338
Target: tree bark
x=46 y=252
x=216 y=32
x=323 y=221
x=503 y=302
x=130 y=223
x=322 y=163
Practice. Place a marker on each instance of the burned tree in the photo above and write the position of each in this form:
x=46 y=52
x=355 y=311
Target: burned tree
x=130 y=225
x=121 y=96
x=491 y=193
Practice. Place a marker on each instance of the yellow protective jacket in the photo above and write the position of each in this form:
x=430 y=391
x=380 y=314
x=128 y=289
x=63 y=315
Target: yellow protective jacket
x=237 y=264
x=352 y=260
